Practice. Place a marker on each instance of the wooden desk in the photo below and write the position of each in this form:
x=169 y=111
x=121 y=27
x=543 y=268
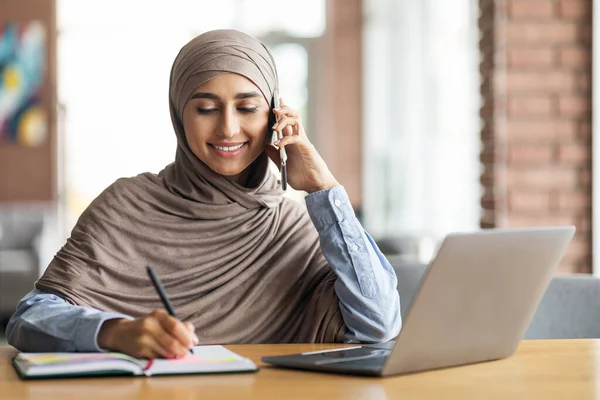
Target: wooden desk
x=558 y=369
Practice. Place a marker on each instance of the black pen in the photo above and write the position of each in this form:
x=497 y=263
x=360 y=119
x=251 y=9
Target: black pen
x=162 y=293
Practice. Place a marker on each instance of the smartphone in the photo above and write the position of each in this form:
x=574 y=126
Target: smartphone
x=275 y=135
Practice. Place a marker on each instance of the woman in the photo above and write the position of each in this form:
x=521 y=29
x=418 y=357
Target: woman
x=241 y=263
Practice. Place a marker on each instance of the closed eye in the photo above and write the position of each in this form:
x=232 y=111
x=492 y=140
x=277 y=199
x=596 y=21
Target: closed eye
x=248 y=109
x=205 y=110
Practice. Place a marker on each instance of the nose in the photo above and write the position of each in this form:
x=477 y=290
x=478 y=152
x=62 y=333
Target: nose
x=230 y=125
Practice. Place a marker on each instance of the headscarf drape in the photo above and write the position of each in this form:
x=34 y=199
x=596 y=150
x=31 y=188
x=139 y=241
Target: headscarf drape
x=243 y=264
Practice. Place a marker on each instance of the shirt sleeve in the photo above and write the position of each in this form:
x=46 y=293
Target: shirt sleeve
x=45 y=322
x=366 y=282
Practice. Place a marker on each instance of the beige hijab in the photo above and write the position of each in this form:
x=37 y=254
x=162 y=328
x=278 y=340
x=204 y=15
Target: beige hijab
x=243 y=264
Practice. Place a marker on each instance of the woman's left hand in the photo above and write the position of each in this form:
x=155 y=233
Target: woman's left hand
x=306 y=170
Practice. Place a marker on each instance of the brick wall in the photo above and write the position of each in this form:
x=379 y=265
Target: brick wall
x=536 y=114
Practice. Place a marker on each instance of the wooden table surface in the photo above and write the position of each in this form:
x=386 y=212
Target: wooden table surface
x=554 y=369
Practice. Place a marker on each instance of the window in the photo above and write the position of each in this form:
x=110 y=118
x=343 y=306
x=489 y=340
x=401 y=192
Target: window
x=421 y=133
x=113 y=76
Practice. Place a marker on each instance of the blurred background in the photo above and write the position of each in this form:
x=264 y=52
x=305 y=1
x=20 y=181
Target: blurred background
x=437 y=116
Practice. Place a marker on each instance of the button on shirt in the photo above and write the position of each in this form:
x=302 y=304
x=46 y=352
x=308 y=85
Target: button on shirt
x=365 y=286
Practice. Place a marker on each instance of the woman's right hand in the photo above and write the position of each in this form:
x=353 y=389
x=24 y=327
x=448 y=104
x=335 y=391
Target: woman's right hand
x=156 y=335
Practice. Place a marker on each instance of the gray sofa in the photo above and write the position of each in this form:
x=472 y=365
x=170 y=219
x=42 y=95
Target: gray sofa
x=20 y=232
x=569 y=309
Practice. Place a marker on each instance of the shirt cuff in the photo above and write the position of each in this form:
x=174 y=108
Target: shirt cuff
x=327 y=207
x=86 y=338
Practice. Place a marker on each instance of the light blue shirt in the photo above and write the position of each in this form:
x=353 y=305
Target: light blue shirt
x=365 y=286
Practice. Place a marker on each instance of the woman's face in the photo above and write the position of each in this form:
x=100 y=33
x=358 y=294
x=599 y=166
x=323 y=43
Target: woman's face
x=225 y=123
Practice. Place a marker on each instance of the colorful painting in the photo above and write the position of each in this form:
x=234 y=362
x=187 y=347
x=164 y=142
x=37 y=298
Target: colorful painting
x=23 y=118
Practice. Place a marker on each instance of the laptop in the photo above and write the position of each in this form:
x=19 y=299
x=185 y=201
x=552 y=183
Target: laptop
x=474 y=304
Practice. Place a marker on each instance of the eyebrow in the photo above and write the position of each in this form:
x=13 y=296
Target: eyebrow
x=239 y=96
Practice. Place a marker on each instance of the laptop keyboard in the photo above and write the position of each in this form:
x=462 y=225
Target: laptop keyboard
x=362 y=356
x=361 y=360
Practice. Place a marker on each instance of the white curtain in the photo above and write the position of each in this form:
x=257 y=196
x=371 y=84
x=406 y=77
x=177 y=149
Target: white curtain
x=421 y=124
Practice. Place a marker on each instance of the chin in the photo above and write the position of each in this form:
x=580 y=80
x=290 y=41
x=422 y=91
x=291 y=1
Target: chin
x=230 y=174
x=226 y=171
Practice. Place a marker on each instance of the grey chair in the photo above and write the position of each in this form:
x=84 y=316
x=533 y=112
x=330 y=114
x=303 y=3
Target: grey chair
x=570 y=307
x=409 y=278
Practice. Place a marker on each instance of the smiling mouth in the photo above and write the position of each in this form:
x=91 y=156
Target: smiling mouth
x=227 y=152
x=228 y=148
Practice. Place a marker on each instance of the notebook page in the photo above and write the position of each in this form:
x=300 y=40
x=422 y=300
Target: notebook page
x=206 y=359
x=215 y=353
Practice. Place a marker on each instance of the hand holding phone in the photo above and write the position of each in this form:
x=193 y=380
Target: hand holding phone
x=307 y=170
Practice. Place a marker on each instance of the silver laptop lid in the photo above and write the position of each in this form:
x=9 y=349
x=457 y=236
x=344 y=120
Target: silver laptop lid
x=477 y=297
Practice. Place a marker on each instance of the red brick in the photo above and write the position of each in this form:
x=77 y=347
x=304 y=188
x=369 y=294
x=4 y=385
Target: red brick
x=584 y=132
x=574 y=154
x=541 y=131
x=568 y=266
x=547 y=44
x=528 y=33
x=529 y=9
x=530 y=154
x=488 y=143
x=488 y=201
x=487 y=177
x=574 y=263
x=530 y=202
x=578 y=247
x=538 y=58
x=583 y=226
x=527 y=220
x=528 y=82
x=486 y=109
x=487 y=131
x=585 y=178
x=499 y=81
x=542 y=177
x=564 y=129
x=585 y=267
x=575 y=57
x=531 y=106
x=487 y=155
x=573 y=201
x=488 y=218
x=586 y=33
x=574 y=9
x=583 y=83
x=573 y=106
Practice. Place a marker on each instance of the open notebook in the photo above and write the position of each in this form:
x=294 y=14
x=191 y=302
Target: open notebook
x=206 y=360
